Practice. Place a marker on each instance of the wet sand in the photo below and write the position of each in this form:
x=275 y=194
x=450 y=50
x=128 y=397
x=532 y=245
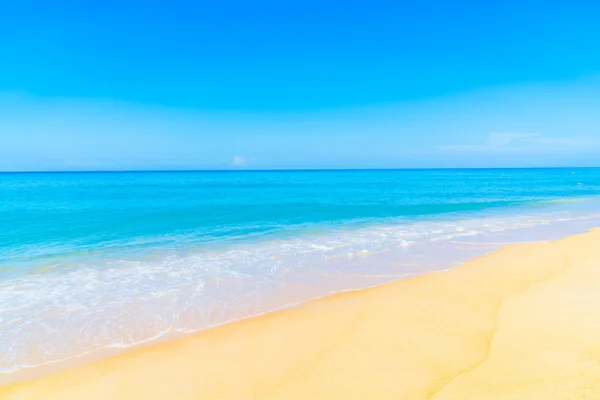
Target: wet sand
x=520 y=323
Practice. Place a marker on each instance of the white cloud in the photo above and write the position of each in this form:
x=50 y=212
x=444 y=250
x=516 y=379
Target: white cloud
x=239 y=161
x=568 y=141
x=499 y=140
x=513 y=141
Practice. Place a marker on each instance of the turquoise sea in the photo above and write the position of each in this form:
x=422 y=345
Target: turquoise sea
x=93 y=260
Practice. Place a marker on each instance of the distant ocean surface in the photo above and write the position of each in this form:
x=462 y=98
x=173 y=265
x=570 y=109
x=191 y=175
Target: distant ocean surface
x=112 y=259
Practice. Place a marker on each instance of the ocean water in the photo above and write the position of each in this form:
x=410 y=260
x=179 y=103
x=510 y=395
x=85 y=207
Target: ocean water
x=90 y=261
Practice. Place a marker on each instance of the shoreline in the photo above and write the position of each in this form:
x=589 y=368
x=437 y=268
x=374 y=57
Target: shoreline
x=415 y=337
x=522 y=235
x=155 y=299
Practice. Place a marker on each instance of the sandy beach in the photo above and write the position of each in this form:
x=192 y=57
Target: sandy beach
x=520 y=323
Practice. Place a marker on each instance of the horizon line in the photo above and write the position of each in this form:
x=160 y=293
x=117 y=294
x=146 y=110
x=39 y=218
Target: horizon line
x=284 y=169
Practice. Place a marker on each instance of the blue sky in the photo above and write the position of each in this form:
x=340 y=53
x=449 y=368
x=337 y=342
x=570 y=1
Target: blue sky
x=274 y=84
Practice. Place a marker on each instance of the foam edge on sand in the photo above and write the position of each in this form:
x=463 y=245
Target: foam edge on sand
x=520 y=323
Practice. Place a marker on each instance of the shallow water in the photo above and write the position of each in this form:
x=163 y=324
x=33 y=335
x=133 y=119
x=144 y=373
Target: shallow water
x=92 y=260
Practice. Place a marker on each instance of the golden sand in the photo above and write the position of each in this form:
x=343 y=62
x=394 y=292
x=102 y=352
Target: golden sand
x=521 y=323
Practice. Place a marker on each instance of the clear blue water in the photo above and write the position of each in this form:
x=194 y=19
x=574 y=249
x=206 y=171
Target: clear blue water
x=116 y=258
